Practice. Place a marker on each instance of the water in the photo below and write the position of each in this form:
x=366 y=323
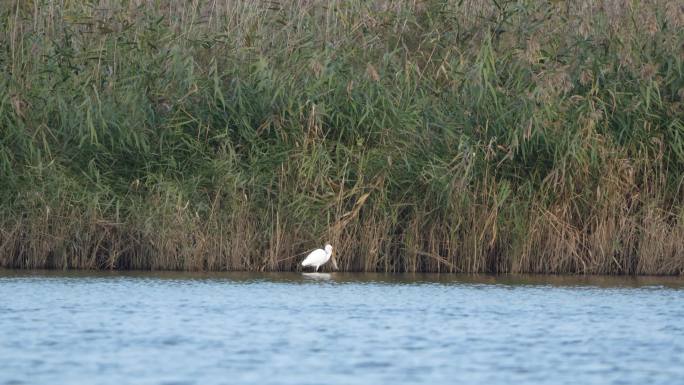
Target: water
x=338 y=329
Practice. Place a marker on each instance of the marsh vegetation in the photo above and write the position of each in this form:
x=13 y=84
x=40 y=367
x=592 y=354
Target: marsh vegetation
x=437 y=135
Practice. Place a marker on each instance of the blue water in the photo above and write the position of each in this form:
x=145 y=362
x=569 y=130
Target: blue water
x=338 y=329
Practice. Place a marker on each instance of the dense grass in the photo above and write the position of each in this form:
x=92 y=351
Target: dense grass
x=438 y=135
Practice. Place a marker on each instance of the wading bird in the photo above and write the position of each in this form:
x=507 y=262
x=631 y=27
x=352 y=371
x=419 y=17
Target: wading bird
x=319 y=257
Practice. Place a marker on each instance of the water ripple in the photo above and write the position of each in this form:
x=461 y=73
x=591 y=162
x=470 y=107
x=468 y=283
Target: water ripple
x=338 y=329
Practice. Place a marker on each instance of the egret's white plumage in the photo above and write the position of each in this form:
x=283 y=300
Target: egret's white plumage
x=319 y=257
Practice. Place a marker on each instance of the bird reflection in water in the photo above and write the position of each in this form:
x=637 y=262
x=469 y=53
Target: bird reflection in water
x=317 y=276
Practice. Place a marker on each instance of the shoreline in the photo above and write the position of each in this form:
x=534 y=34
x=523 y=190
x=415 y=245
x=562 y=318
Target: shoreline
x=298 y=277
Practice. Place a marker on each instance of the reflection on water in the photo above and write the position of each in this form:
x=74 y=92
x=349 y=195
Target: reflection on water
x=338 y=328
x=605 y=281
x=324 y=276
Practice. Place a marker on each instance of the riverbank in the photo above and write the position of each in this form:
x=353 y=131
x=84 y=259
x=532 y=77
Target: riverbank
x=447 y=136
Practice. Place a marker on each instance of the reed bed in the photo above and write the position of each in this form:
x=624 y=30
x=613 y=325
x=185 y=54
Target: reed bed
x=440 y=135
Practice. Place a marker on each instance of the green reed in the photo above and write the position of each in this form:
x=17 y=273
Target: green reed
x=437 y=135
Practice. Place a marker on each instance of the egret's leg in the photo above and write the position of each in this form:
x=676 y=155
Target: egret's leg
x=316 y=268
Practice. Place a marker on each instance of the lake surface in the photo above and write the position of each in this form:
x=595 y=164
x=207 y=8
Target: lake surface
x=290 y=328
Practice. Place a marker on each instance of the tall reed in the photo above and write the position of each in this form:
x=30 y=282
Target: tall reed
x=437 y=135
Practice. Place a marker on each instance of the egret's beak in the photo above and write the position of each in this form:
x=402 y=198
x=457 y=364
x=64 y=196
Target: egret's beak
x=334 y=262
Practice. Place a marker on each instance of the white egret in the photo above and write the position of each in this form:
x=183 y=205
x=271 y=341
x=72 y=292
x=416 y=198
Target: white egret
x=319 y=257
